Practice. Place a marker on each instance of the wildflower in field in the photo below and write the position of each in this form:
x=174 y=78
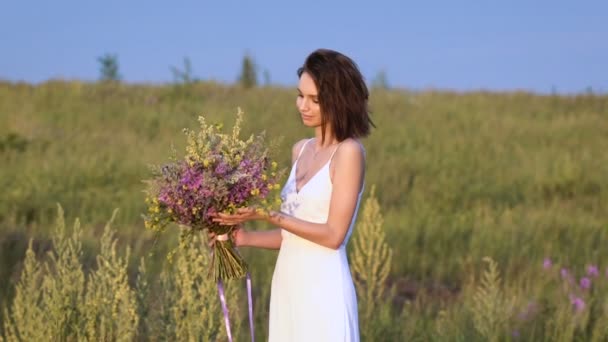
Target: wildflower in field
x=578 y=304
x=585 y=283
x=547 y=264
x=592 y=271
x=566 y=275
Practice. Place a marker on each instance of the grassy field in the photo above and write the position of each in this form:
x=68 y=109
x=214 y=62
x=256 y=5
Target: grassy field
x=515 y=177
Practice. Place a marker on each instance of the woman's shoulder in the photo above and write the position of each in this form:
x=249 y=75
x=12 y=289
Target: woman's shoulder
x=351 y=147
x=349 y=160
x=350 y=152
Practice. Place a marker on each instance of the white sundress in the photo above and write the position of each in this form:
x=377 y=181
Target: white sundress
x=313 y=297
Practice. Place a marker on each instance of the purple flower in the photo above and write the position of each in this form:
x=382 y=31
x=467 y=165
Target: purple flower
x=585 y=283
x=592 y=271
x=578 y=303
x=222 y=168
x=567 y=276
x=547 y=263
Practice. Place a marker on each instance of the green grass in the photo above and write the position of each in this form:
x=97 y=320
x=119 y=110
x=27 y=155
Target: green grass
x=459 y=176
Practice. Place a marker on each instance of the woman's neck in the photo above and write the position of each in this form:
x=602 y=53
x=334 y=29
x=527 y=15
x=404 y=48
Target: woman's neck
x=320 y=143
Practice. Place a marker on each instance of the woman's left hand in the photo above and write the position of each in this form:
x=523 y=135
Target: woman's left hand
x=241 y=215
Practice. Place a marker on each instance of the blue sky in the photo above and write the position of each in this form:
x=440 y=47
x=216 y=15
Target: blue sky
x=460 y=45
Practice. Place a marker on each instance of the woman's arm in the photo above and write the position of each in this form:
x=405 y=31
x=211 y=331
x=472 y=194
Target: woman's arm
x=270 y=239
x=347 y=181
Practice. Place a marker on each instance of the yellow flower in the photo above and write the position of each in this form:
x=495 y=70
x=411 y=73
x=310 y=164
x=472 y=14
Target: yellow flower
x=179 y=201
x=264 y=177
x=277 y=186
x=255 y=192
x=274 y=165
x=205 y=163
x=170 y=211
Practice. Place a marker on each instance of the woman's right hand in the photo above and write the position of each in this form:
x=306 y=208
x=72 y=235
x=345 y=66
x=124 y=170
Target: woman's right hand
x=238 y=236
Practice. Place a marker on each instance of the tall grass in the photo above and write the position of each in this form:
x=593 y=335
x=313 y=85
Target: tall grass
x=371 y=260
x=102 y=305
x=516 y=177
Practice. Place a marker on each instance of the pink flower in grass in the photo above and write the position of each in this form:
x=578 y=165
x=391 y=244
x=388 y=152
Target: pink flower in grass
x=585 y=283
x=565 y=274
x=578 y=304
x=592 y=271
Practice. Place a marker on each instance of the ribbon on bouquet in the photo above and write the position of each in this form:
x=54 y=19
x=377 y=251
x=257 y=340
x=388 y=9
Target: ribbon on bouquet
x=220 y=288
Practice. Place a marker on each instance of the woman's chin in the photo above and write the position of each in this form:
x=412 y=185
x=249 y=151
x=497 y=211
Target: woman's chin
x=307 y=122
x=311 y=124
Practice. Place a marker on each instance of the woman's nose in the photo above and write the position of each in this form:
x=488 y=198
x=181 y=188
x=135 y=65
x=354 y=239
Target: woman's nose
x=303 y=104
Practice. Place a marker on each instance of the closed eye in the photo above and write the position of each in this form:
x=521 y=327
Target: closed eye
x=314 y=98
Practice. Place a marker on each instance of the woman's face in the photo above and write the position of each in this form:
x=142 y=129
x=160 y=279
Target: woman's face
x=308 y=101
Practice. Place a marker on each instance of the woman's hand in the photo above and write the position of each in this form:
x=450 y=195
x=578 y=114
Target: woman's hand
x=237 y=235
x=242 y=215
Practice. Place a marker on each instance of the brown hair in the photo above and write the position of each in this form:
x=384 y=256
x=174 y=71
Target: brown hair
x=342 y=93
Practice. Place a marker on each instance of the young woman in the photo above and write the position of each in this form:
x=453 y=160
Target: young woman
x=313 y=297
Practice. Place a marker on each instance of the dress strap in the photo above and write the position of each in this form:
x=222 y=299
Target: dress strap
x=302 y=149
x=334 y=152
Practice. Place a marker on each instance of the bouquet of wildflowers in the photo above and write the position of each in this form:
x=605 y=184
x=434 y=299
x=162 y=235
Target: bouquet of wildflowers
x=219 y=173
